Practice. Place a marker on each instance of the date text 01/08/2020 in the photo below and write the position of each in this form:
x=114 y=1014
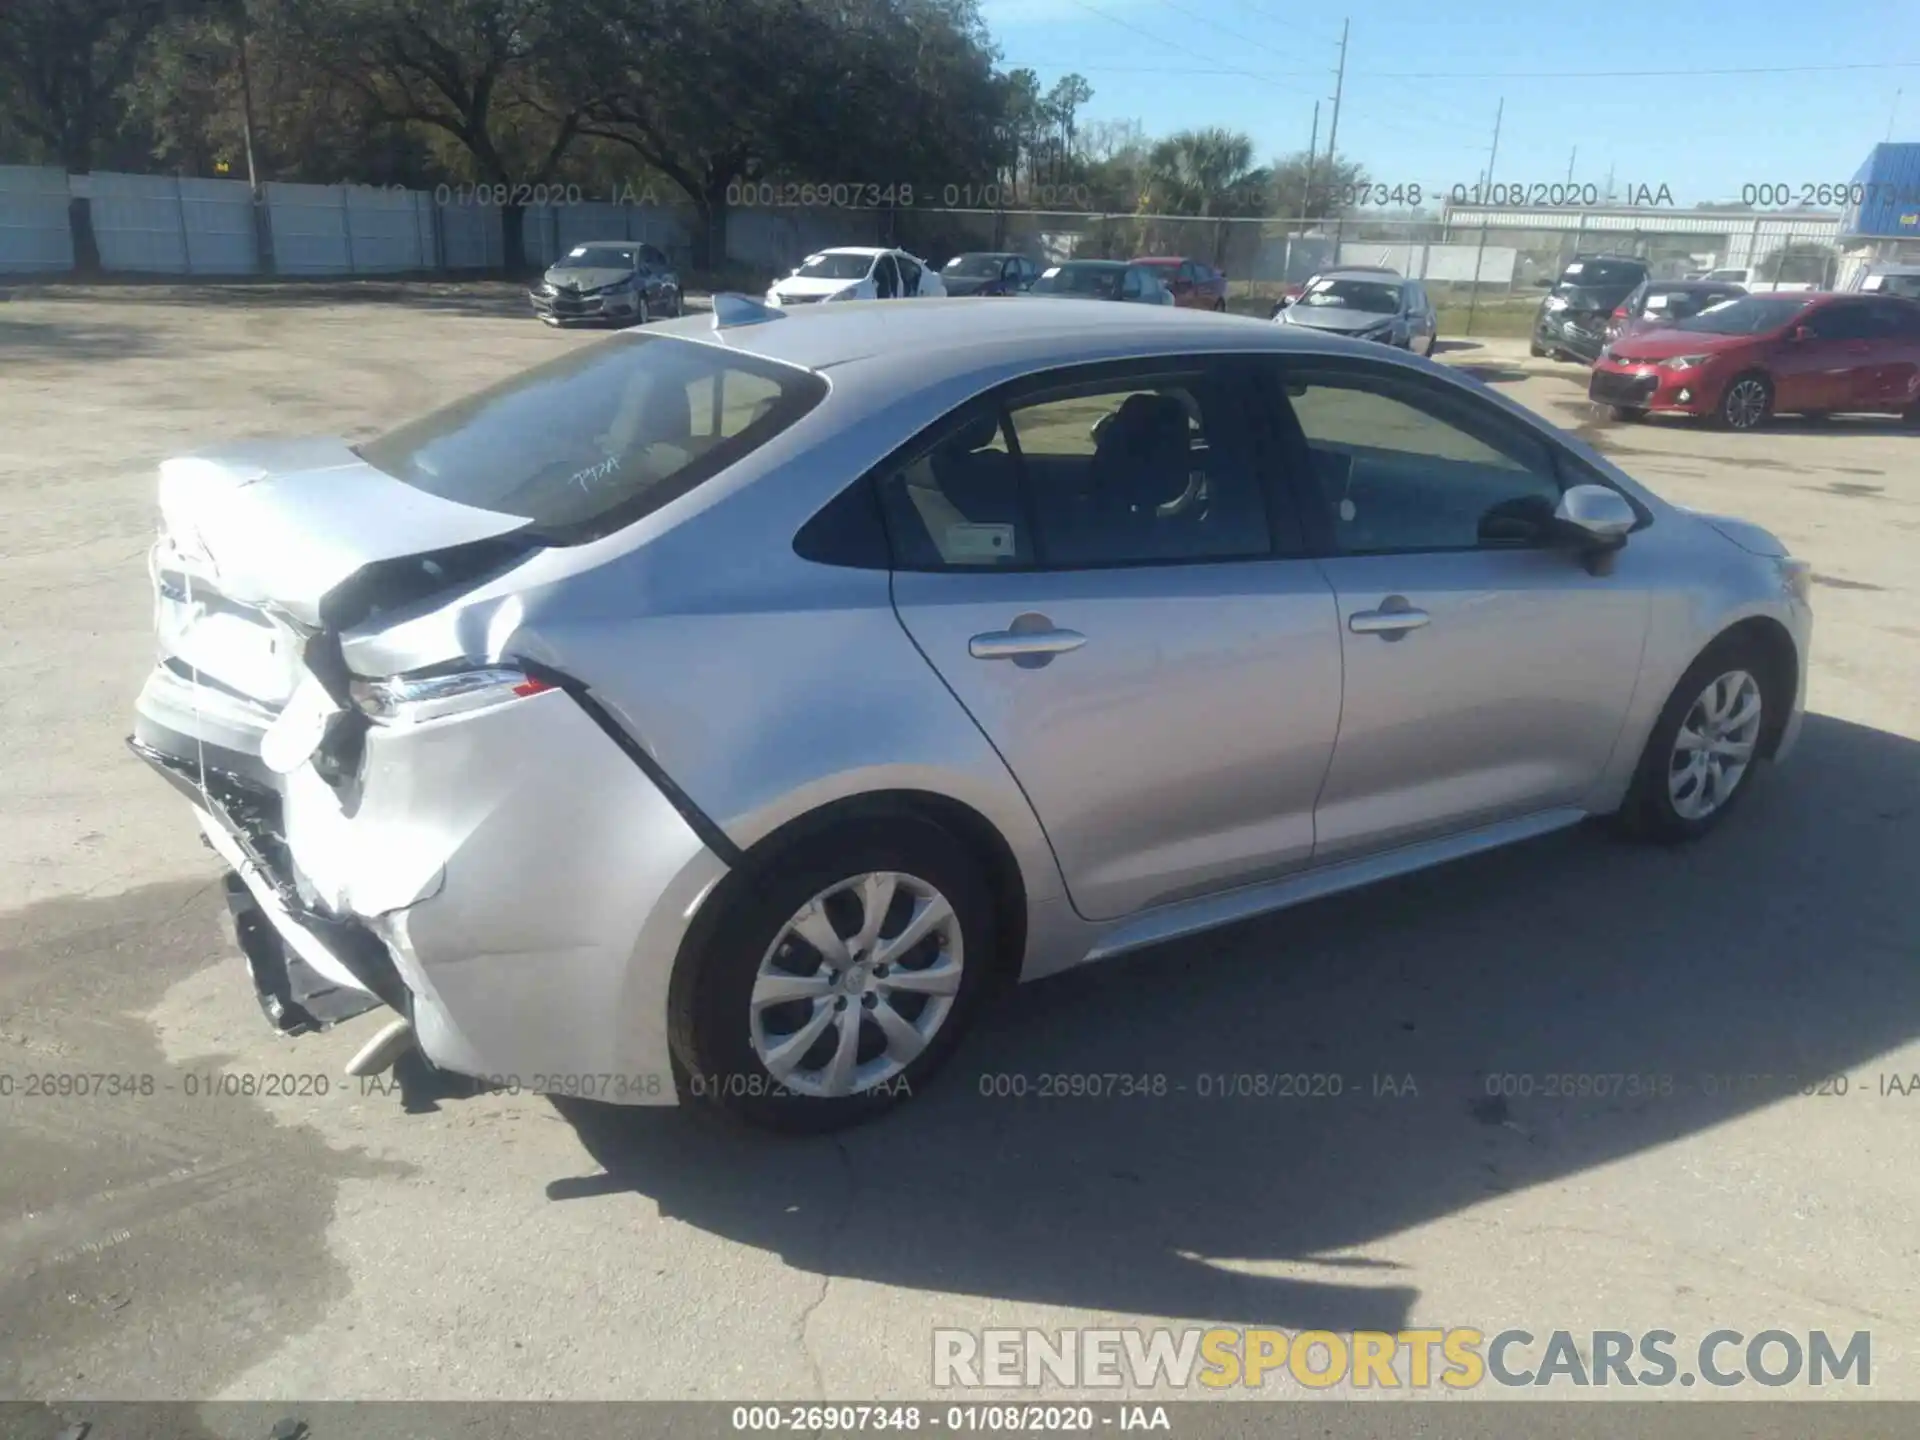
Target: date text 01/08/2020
x=1562 y=195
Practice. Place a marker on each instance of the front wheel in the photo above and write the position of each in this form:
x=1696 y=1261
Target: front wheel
x=1536 y=350
x=1747 y=404
x=1703 y=747
x=1627 y=414
x=839 y=979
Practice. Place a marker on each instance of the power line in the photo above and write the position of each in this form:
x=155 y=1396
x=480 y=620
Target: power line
x=1458 y=74
x=1162 y=40
x=1215 y=24
x=1634 y=74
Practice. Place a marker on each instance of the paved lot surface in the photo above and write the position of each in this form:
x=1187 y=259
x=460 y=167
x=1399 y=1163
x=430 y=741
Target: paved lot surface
x=201 y=1243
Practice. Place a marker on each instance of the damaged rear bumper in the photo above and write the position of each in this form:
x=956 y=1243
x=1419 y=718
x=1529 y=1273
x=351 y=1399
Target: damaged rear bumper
x=510 y=881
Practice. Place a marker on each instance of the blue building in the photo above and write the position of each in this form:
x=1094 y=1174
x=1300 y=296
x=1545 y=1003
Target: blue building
x=1881 y=223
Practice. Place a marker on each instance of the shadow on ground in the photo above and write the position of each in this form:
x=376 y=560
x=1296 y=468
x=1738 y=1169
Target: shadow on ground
x=51 y=340
x=159 y=1231
x=1781 y=947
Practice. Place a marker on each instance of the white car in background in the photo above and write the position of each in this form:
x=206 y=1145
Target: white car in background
x=857 y=272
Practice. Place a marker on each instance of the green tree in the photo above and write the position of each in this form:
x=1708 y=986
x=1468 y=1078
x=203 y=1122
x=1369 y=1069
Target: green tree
x=1333 y=179
x=489 y=76
x=1206 y=173
x=63 y=67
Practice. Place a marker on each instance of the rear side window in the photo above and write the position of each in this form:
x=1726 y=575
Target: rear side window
x=594 y=440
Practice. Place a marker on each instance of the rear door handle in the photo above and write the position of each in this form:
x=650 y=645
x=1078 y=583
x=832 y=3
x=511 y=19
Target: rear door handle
x=1391 y=624
x=1013 y=644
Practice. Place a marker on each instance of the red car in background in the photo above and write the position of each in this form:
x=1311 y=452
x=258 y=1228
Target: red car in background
x=1195 y=284
x=1749 y=359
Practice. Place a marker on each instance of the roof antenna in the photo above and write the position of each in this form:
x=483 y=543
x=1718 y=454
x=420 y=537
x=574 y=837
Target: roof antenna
x=731 y=310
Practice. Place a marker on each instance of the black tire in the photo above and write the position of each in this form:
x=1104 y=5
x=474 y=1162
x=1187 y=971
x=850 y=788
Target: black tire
x=1648 y=812
x=1732 y=414
x=1627 y=414
x=710 y=1010
x=1535 y=350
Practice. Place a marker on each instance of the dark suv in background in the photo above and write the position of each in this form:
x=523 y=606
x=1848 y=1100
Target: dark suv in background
x=1571 y=323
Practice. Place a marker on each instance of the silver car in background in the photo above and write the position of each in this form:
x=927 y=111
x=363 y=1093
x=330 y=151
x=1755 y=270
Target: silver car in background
x=1366 y=305
x=728 y=709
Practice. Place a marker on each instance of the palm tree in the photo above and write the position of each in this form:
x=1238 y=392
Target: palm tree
x=1206 y=173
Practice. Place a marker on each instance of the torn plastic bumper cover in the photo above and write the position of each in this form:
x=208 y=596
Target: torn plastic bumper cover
x=295 y=994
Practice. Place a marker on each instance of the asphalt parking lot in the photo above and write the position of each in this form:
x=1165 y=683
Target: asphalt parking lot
x=203 y=1242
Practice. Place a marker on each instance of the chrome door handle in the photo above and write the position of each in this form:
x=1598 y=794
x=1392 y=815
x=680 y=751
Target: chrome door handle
x=1013 y=644
x=1390 y=623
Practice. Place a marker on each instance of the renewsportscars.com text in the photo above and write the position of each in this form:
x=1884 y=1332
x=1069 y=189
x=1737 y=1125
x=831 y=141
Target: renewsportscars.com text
x=1459 y=1358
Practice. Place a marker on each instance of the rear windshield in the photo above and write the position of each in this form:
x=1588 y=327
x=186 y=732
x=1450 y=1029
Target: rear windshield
x=973 y=267
x=1620 y=275
x=595 y=439
x=1082 y=280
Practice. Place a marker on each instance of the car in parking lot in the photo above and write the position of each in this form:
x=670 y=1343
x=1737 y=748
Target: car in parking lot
x=819 y=676
x=1656 y=304
x=1367 y=306
x=857 y=272
x=1744 y=361
x=1291 y=292
x=1102 y=280
x=1571 y=322
x=988 y=272
x=1902 y=281
x=622 y=282
x=1194 y=284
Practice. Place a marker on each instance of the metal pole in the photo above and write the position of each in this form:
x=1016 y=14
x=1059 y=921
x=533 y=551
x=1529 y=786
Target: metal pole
x=1313 y=148
x=1486 y=215
x=1570 y=159
x=1333 y=137
x=262 y=229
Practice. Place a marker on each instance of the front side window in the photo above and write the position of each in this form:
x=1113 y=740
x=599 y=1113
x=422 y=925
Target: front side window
x=1399 y=465
x=1840 y=322
x=592 y=441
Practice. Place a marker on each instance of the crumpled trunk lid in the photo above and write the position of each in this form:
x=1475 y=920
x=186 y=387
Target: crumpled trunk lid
x=255 y=538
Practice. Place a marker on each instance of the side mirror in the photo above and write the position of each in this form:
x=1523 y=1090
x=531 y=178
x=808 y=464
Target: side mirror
x=1596 y=520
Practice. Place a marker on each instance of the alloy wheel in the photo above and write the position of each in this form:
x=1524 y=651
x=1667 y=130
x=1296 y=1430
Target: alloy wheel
x=1715 y=745
x=1746 y=403
x=856 y=984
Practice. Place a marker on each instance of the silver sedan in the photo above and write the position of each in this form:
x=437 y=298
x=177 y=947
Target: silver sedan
x=725 y=711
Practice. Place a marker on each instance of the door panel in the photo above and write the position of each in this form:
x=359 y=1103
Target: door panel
x=1509 y=699
x=1090 y=565
x=1486 y=673
x=1180 y=748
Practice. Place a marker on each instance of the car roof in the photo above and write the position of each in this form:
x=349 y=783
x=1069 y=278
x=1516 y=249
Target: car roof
x=868 y=344
x=1379 y=275
x=1158 y=260
x=988 y=254
x=1095 y=264
x=1694 y=284
x=868 y=250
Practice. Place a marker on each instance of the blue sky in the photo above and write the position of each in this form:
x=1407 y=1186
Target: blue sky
x=1424 y=77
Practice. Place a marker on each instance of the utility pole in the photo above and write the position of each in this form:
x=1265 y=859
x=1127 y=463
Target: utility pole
x=262 y=225
x=1486 y=213
x=1313 y=148
x=1570 y=159
x=1333 y=134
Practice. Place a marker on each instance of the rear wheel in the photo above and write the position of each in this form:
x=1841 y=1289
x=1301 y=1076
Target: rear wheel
x=1747 y=403
x=1704 y=745
x=1535 y=349
x=840 y=980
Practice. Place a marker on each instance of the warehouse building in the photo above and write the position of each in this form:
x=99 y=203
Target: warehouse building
x=1881 y=224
